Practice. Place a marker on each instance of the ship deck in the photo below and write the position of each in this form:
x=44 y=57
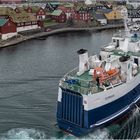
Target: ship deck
x=84 y=77
x=83 y=84
x=119 y=52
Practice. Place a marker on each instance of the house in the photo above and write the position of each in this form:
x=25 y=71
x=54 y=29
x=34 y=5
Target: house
x=19 y=9
x=28 y=9
x=129 y=7
x=51 y=6
x=114 y=16
x=104 y=11
x=134 y=14
x=82 y=14
x=39 y=12
x=99 y=6
x=25 y=21
x=5 y=11
x=8 y=28
x=68 y=9
x=36 y=10
x=58 y=16
x=100 y=17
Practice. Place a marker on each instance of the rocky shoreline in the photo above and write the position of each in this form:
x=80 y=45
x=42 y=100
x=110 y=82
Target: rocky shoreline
x=56 y=31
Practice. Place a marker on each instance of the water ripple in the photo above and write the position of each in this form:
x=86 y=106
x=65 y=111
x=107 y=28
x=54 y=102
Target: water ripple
x=23 y=134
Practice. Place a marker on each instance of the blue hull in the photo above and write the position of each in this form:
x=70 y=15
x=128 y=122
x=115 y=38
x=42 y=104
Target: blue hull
x=81 y=122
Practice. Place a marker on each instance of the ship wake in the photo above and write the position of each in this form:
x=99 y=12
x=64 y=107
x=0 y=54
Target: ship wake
x=99 y=134
x=23 y=134
x=130 y=128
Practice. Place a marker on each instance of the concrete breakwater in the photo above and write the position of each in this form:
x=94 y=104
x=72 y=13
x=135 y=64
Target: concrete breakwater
x=56 y=31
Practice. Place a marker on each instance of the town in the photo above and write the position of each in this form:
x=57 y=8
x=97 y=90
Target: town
x=21 y=20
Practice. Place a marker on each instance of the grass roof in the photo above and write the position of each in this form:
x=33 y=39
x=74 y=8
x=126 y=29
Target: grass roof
x=56 y=13
x=3 y=21
x=23 y=16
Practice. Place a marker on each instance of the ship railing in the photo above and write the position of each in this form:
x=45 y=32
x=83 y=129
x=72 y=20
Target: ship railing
x=104 y=47
x=120 y=35
x=72 y=72
x=80 y=88
x=70 y=81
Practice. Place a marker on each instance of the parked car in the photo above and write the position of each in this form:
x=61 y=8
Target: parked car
x=48 y=30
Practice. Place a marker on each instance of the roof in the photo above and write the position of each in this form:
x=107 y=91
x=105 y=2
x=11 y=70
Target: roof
x=99 y=4
x=114 y=15
x=5 y=11
x=56 y=13
x=54 y=3
x=134 y=13
x=69 y=5
x=3 y=21
x=129 y=6
x=23 y=16
x=104 y=10
x=35 y=8
x=21 y=8
x=99 y=16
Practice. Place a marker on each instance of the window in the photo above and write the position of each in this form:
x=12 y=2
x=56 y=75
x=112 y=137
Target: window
x=22 y=24
x=136 y=61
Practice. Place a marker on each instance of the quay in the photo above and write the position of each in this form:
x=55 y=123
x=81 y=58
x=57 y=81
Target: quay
x=56 y=31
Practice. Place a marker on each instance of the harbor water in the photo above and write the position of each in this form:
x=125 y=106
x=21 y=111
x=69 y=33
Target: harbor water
x=29 y=77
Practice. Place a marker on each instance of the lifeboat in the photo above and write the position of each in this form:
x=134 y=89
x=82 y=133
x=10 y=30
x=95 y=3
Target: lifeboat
x=105 y=75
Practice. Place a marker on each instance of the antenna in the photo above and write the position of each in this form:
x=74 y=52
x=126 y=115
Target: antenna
x=124 y=14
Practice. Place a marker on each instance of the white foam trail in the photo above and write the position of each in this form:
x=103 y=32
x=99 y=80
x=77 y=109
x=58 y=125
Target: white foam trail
x=99 y=134
x=23 y=134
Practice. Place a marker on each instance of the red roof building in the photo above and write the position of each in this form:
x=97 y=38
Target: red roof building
x=69 y=10
x=58 y=16
x=8 y=29
x=35 y=10
x=82 y=14
x=40 y=14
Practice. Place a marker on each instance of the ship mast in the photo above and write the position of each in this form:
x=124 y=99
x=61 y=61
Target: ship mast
x=124 y=14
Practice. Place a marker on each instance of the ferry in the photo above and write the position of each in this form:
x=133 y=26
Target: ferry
x=103 y=88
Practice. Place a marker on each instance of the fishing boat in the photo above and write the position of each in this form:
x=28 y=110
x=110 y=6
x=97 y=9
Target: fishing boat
x=103 y=88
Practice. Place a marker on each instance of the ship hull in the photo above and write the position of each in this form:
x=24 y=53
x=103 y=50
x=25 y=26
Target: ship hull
x=93 y=118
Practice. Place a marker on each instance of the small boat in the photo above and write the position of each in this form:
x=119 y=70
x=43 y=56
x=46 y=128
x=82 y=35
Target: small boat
x=41 y=38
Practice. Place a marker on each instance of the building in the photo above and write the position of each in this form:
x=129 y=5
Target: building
x=68 y=9
x=134 y=15
x=100 y=17
x=135 y=3
x=58 y=16
x=35 y=10
x=23 y=20
x=99 y=6
x=114 y=16
x=82 y=14
x=8 y=28
x=51 y=6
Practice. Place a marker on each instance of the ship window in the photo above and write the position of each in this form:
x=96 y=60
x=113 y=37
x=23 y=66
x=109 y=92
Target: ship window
x=117 y=45
x=114 y=40
x=136 y=61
